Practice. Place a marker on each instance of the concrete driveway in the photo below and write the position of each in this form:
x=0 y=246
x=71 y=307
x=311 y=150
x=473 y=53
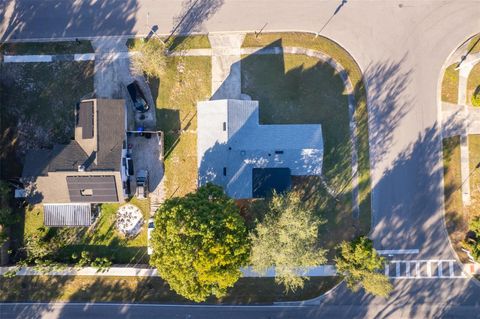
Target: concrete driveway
x=147 y=155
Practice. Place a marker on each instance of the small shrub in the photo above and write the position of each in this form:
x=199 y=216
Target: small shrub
x=476 y=97
x=150 y=58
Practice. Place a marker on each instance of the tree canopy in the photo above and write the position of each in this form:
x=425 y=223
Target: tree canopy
x=199 y=243
x=360 y=264
x=287 y=240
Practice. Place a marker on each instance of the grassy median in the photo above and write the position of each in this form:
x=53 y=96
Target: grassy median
x=147 y=290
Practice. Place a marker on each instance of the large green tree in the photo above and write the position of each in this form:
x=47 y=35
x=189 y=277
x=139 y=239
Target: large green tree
x=359 y=263
x=287 y=240
x=199 y=243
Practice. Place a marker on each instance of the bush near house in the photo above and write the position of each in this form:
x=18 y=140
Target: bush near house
x=476 y=97
x=472 y=242
x=199 y=243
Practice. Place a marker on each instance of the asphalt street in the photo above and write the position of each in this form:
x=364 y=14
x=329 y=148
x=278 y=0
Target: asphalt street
x=401 y=47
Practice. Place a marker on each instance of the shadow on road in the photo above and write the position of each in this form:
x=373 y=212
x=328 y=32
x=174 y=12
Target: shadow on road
x=75 y=18
x=191 y=17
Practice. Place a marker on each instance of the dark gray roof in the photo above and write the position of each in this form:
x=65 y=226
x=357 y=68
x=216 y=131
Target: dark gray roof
x=85 y=119
x=267 y=180
x=111 y=133
x=110 y=136
x=96 y=189
x=36 y=163
x=55 y=215
x=67 y=157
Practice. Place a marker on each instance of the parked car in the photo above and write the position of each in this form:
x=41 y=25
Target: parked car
x=138 y=98
x=129 y=166
x=142 y=184
x=151 y=225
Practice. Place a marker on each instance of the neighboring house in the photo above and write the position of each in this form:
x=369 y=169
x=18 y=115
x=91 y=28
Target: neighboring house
x=250 y=160
x=69 y=178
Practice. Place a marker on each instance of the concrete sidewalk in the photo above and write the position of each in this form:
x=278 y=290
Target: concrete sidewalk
x=320 y=271
x=48 y=58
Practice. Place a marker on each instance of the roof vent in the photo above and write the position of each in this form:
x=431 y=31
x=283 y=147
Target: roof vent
x=81 y=168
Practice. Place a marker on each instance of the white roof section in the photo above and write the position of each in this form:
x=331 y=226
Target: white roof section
x=61 y=215
x=231 y=142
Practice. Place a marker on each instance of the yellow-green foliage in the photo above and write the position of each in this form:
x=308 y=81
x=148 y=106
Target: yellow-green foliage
x=150 y=58
x=287 y=240
x=359 y=263
x=199 y=243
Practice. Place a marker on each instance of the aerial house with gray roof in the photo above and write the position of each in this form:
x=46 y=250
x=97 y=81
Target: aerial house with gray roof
x=248 y=159
x=69 y=178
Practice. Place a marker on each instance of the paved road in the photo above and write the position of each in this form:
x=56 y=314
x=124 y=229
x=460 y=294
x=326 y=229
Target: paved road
x=401 y=46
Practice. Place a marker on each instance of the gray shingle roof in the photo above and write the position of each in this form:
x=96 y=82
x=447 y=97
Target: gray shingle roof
x=110 y=122
x=111 y=133
x=67 y=157
x=36 y=163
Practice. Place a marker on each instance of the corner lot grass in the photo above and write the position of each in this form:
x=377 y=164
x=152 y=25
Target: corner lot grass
x=450 y=84
x=474 y=157
x=474 y=44
x=101 y=239
x=34 y=48
x=186 y=81
x=457 y=216
x=331 y=48
x=473 y=81
x=146 y=290
x=296 y=89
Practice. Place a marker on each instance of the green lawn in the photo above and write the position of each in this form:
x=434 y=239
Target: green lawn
x=450 y=84
x=473 y=82
x=147 y=290
x=296 y=89
x=101 y=239
x=179 y=43
x=455 y=217
x=474 y=44
x=61 y=47
x=331 y=48
x=186 y=81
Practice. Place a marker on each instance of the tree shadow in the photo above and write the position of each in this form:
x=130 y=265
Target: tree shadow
x=73 y=19
x=190 y=19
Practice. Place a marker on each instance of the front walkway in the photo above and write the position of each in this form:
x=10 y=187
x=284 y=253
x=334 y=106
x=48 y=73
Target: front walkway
x=226 y=72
